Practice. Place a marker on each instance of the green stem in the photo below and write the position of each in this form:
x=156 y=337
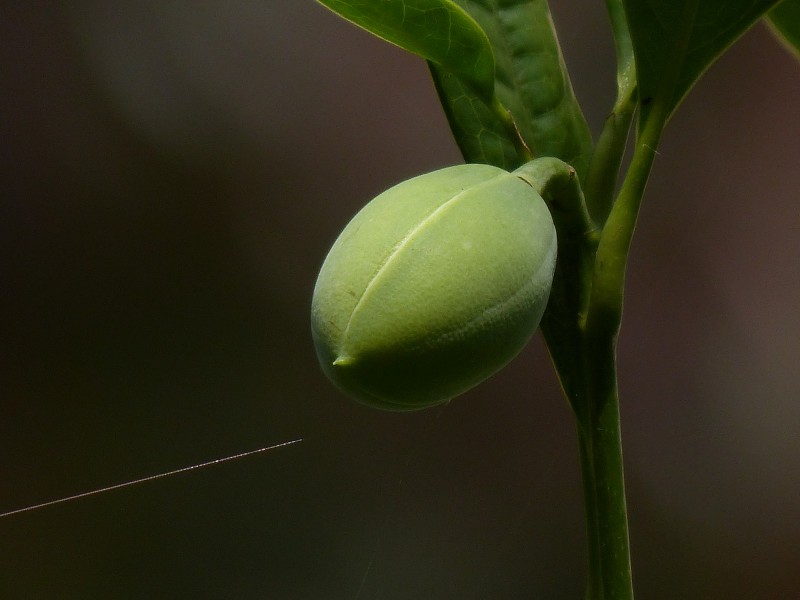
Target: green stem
x=585 y=361
x=599 y=423
x=605 y=305
x=558 y=185
x=603 y=477
x=623 y=46
x=601 y=181
x=594 y=583
x=598 y=419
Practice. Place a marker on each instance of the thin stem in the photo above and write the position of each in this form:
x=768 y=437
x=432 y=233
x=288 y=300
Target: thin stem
x=585 y=362
x=601 y=180
x=590 y=382
x=601 y=442
x=594 y=584
x=599 y=423
x=623 y=45
x=605 y=306
x=558 y=185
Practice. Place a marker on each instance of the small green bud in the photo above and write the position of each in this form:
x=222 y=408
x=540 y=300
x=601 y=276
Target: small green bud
x=434 y=286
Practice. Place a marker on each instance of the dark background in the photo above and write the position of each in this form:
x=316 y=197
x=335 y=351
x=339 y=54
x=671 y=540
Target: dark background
x=172 y=176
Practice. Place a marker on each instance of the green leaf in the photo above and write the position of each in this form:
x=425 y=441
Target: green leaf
x=531 y=83
x=675 y=41
x=480 y=134
x=437 y=30
x=784 y=20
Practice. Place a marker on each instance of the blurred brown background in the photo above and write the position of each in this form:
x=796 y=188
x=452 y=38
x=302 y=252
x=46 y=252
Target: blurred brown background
x=172 y=176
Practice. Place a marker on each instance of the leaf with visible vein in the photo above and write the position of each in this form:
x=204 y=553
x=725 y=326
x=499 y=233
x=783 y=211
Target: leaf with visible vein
x=784 y=20
x=437 y=30
x=531 y=83
x=481 y=136
x=675 y=41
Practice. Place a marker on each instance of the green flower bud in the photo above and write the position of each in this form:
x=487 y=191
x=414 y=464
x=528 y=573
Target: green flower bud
x=434 y=286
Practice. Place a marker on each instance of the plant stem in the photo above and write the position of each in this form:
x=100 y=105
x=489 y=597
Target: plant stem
x=604 y=169
x=603 y=477
x=601 y=181
x=585 y=359
x=598 y=415
x=594 y=583
x=605 y=304
x=583 y=318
